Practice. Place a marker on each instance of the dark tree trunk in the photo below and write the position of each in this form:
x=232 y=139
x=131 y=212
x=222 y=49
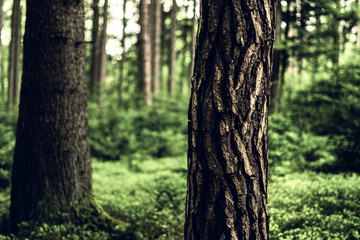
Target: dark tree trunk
x=227 y=151
x=51 y=169
x=275 y=97
x=14 y=55
x=145 y=53
x=171 y=81
x=95 y=66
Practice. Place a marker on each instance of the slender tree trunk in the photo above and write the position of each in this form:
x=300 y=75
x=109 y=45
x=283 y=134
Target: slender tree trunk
x=102 y=53
x=51 y=169
x=227 y=151
x=275 y=84
x=145 y=53
x=157 y=46
x=14 y=55
x=193 y=44
x=2 y=84
x=123 y=56
x=171 y=81
x=94 y=69
x=358 y=30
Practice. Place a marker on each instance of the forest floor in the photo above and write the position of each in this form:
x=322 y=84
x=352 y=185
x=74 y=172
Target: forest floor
x=150 y=195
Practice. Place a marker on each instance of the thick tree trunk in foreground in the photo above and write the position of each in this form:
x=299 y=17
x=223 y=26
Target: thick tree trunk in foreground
x=51 y=169
x=145 y=53
x=227 y=156
x=14 y=55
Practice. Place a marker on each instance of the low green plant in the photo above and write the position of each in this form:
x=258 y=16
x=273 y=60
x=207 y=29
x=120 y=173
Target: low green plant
x=314 y=206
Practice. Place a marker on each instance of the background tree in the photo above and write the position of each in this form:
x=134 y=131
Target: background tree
x=172 y=60
x=193 y=43
x=145 y=53
x=157 y=45
x=123 y=56
x=2 y=84
x=14 y=56
x=227 y=143
x=51 y=169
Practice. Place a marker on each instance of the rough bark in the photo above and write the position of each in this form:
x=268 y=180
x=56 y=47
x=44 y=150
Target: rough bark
x=123 y=56
x=145 y=53
x=275 y=96
x=157 y=46
x=227 y=150
x=94 y=69
x=171 y=81
x=14 y=54
x=51 y=169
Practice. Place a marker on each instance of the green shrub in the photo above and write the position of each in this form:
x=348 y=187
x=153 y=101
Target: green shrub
x=156 y=131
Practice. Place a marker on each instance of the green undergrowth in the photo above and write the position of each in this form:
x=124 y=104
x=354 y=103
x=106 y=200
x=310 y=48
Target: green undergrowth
x=146 y=200
x=148 y=195
x=314 y=206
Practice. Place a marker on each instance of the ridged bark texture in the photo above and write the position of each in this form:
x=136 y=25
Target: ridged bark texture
x=227 y=155
x=51 y=169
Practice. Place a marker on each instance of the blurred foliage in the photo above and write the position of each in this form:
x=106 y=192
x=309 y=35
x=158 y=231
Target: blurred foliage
x=330 y=108
x=157 y=131
x=291 y=150
x=8 y=121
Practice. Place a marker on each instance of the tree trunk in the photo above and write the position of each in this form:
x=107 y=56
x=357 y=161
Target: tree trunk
x=2 y=84
x=94 y=69
x=275 y=97
x=102 y=52
x=51 y=169
x=358 y=30
x=227 y=151
x=171 y=81
x=123 y=56
x=14 y=55
x=193 y=44
x=157 y=46
x=145 y=53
